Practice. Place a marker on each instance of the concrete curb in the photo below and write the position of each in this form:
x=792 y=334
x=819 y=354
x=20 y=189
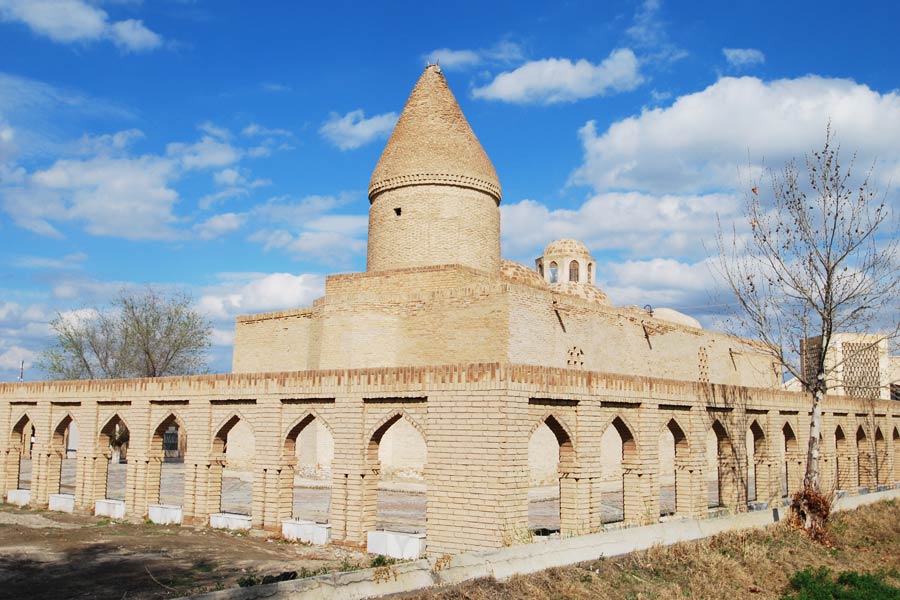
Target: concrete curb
x=517 y=560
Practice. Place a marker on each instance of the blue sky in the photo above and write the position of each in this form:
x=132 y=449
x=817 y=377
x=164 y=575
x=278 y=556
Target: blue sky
x=225 y=147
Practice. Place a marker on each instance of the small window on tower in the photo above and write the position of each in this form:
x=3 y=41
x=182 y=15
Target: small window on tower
x=590 y=278
x=554 y=273
x=397 y=211
x=541 y=269
x=573 y=271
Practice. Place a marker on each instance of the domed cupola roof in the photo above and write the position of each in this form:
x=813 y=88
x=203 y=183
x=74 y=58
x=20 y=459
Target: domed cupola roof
x=566 y=246
x=433 y=143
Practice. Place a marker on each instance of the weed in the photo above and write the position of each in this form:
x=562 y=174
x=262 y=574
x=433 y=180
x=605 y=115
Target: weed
x=382 y=561
x=818 y=584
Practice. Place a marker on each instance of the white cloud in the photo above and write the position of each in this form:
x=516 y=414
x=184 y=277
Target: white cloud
x=504 y=52
x=743 y=57
x=209 y=152
x=257 y=130
x=109 y=143
x=453 y=59
x=329 y=247
x=638 y=225
x=70 y=261
x=353 y=225
x=303 y=229
x=353 y=129
x=229 y=177
x=555 y=80
x=12 y=358
x=245 y=293
x=218 y=225
x=71 y=21
x=703 y=141
x=649 y=34
x=36 y=117
x=274 y=88
x=121 y=197
x=133 y=35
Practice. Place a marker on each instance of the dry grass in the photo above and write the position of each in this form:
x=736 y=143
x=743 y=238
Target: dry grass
x=752 y=564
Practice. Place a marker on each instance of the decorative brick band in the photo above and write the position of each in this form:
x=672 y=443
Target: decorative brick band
x=378 y=187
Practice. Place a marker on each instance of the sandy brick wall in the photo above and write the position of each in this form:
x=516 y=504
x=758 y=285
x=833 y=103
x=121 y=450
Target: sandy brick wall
x=476 y=421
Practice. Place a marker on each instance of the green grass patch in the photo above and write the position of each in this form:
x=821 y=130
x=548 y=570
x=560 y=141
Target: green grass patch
x=822 y=584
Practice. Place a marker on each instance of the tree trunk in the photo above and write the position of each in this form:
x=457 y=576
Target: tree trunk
x=811 y=478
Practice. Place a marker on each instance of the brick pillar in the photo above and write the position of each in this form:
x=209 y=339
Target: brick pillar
x=146 y=475
x=258 y=500
x=40 y=494
x=194 y=490
x=795 y=462
x=285 y=492
x=639 y=501
x=729 y=483
x=477 y=471
x=690 y=487
x=348 y=469
x=574 y=516
x=865 y=466
x=765 y=488
x=84 y=483
x=9 y=471
x=595 y=503
x=267 y=501
x=353 y=506
x=367 y=490
x=895 y=459
x=54 y=472
x=99 y=469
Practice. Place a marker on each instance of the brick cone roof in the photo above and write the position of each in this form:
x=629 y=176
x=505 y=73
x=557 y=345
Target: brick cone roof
x=433 y=143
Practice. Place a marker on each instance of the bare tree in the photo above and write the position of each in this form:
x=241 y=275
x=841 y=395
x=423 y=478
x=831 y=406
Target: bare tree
x=821 y=258
x=144 y=333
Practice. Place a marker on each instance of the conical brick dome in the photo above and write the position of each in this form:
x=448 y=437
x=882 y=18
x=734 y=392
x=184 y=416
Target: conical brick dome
x=433 y=144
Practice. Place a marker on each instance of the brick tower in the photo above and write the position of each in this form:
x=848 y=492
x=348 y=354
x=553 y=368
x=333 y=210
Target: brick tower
x=435 y=195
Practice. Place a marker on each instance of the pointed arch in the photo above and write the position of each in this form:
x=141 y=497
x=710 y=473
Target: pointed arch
x=723 y=438
x=109 y=424
x=790 y=439
x=563 y=436
x=220 y=435
x=157 y=433
x=377 y=432
x=759 y=439
x=861 y=434
x=58 y=437
x=20 y=424
x=895 y=446
x=682 y=444
x=881 y=457
x=290 y=437
x=109 y=432
x=556 y=424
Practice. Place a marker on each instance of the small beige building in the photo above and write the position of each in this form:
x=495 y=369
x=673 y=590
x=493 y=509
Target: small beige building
x=446 y=363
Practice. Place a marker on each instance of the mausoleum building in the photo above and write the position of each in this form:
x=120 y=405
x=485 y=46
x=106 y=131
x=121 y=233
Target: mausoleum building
x=475 y=355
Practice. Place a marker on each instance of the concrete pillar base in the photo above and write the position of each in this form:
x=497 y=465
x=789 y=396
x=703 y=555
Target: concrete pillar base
x=165 y=514
x=405 y=546
x=231 y=521
x=308 y=532
x=62 y=503
x=114 y=509
x=18 y=497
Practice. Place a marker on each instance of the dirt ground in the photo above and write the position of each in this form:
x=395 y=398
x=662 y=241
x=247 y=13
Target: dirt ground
x=54 y=555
